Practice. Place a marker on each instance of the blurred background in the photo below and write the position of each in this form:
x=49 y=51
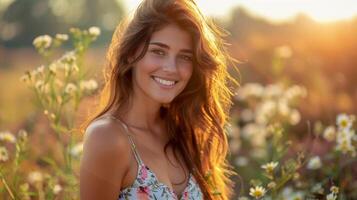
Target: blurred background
x=310 y=43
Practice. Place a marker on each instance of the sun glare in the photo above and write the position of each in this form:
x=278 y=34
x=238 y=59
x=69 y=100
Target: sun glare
x=277 y=10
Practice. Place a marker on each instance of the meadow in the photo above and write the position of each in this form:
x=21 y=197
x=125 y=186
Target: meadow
x=292 y=127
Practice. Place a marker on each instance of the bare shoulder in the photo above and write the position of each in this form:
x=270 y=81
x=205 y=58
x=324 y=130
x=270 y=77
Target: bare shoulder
x=106 y=133
x=105 y=161
x=107 y=137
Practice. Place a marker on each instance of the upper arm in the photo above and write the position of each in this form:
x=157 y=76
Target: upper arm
x=104 y=163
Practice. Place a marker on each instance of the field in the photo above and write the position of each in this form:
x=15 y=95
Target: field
x=293 y=121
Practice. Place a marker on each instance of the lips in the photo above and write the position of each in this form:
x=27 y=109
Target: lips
x=164 y=82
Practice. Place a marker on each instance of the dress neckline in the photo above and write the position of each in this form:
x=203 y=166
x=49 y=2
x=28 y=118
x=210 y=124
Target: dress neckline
x=142 y=164
x=178 y=196
x=157 y=182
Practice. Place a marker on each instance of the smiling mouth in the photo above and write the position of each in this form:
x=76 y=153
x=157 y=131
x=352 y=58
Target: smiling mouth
x=164 y=82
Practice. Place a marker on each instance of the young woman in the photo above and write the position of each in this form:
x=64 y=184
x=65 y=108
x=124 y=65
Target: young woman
x=159 y=130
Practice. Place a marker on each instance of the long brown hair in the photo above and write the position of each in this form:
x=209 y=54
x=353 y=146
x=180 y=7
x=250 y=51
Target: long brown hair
x=196 y=118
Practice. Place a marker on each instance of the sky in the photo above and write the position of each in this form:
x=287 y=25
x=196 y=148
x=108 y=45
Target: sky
x=278 y=10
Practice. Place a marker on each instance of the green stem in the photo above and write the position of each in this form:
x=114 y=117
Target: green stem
x=7 y=187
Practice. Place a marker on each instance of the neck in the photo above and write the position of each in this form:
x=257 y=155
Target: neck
x=142 y=112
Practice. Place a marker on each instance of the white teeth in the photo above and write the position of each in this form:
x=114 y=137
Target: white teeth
x=164 y=82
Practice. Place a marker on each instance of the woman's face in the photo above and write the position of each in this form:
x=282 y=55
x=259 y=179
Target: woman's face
x=166 y=67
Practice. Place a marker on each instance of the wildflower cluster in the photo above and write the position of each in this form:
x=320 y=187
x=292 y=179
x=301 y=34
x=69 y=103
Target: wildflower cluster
x=273 y=103
x=257 y=192
x=261 y=138
x=13 y=151
x=61 y=81
x=333 y=195
x=262 y=107
x=345 y=136
x=59 y=86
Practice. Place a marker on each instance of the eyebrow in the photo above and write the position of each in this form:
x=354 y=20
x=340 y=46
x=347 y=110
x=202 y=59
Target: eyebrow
x=167 y=47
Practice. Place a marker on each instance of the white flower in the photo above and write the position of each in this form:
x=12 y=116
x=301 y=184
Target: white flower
x=34 y=73
x=7 y=137
x=43 y=41
x=35 y=177
x=89 y=85
x=272 y=184
x=314 y=163
x=94 y=31
x=329 y=133
x=345 y=146
x=39 y=84
x=255 y=133
x=344 y=121
x=4 y=155
x=57 y=189
x=250 y=90
x=77 y=149
x=69 y=57
x=265 y=111
x=273 y=91
x=62 y=37
x=295 y=92
x=334 y=189
x=40 y=69
x=53 y=67
x=22 y=135
x=283 y=107
x=68 y=68
x=331 y=196
x=295 y=117
x=257 y=192
x=344 y=141
x=269 y=167
x=70 y=88
x=25 y=78
x=252 y=129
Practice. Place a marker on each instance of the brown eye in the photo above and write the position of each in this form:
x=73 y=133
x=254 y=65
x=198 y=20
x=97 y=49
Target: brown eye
x=186 y=57
x=158 y=52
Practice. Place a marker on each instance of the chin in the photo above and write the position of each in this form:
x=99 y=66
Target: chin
x=164 y=100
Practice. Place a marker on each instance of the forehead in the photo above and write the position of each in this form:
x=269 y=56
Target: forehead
x=173 y=36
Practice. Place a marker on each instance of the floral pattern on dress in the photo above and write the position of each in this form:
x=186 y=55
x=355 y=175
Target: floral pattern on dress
x=147 y=187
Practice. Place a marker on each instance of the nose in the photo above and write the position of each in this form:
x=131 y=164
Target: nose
x=170 y=65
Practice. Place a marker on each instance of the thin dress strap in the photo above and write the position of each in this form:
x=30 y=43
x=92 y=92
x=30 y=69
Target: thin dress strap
x=127 y=132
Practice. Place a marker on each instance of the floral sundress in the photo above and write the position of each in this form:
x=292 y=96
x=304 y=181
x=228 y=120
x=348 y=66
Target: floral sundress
x=146 y=185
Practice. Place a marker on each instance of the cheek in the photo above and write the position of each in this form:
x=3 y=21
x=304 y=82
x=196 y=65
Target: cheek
x=186 y=72
x=145 y=66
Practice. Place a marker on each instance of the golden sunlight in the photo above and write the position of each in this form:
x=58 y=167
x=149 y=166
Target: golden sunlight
x=277 y=10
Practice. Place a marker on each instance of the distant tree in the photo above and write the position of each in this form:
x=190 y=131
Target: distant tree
x=25 y=19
